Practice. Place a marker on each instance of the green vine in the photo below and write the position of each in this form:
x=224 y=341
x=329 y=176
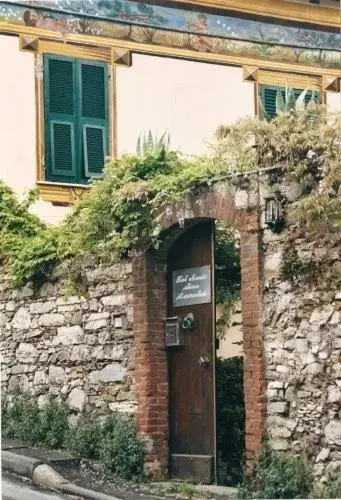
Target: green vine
x=125 y=209
x=227 y=274
x=296 y=270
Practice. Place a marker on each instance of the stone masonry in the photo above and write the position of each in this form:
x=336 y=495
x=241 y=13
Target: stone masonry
x=302 y=341
x=89 y=351
x=76 y=348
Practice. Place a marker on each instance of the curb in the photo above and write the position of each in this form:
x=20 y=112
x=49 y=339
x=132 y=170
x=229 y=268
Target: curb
x=44 y=475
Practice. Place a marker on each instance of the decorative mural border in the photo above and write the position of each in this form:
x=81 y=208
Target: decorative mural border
x=281 y=9
x=172 y=51
x=43 y=30
x=142 y=24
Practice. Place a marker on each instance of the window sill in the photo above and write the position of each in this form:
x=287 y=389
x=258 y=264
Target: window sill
x=61 y=194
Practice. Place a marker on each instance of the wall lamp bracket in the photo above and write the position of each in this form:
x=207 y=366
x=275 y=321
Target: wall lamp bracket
x=274 y=213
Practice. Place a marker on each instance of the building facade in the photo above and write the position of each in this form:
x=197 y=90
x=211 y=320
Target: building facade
x=182 y=68
x=82 y=81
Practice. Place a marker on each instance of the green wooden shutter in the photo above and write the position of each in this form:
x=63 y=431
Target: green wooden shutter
x=60 y=118
x=93 y=98
x=268 y=96
x=269 y=100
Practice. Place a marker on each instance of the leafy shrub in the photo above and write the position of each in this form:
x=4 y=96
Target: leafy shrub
x=84 y=439
x=230 y=419
x=114 y=442
x=53 y=422
x=23 y=419
x=331 y=489
x=277 y=475
x=121 y=451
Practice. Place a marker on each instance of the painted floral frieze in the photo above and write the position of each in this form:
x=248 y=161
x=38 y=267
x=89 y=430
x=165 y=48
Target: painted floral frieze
x=180 y=28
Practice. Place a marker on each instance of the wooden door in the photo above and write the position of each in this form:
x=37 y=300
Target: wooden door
x=191 y=366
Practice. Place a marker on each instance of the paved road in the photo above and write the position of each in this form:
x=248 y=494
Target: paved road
x=13 y=488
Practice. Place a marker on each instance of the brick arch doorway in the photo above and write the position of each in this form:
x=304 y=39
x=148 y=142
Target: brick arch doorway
x=151 y=379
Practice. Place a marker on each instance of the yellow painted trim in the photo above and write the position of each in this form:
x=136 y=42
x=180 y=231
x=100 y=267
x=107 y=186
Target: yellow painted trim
x=58 y=193
x=61 y=194
x=171 y=51
x=75 y=50
x=281 y=9
x=293 y=80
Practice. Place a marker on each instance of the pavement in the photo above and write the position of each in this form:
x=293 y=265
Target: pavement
x=14 y=488
x=39 y=467
x=46 y=470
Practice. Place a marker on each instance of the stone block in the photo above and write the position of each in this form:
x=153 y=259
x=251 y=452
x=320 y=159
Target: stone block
x=114 y=300
x=241 y=199
x=334 y=394
x=272 y=264
x=301 y=345
x=114 y=372
x=94 y=377
x=313 y=369
x=117 y=353
x=80 y=353
x=70 y=334
x=279 y=432
x=26 y=353
x=279 y=444
x=21 y=319
x=333 y=432
x=323 y=455
x=73 y=299
x=40 y=378
x=96 y=324
x=57 y=375
x=51 y=319
x=322 y=316
x=128 y=407
x=41 y=307
x=77 y=399
x=278 y=407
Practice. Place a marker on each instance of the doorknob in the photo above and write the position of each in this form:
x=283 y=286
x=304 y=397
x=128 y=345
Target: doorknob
x=204 y=361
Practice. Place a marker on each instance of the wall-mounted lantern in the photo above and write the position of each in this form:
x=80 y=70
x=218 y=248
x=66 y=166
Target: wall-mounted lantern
x=274 y=214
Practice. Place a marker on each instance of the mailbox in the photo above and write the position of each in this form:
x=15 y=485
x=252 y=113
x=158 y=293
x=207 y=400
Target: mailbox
x=174 y=333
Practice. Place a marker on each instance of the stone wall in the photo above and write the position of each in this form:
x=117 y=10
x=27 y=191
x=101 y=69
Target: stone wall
x=78 y=348
x=88 y=351
x=302 y=341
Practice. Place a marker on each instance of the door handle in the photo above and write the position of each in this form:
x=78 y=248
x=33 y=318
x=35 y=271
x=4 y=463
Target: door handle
x=204 y=361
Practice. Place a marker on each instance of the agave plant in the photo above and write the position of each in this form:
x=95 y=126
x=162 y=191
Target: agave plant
x=150 y=145
x=287 y=102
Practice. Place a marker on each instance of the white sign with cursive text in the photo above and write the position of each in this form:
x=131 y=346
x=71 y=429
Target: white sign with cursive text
x=192 y=286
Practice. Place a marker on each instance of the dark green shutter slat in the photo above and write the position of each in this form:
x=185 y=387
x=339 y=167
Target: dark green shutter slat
x=62 y=148
x=93 y=91
x=61 y=86
x=94 y=116
x=269 y=101
x=60 y=119
x=94 y=149
x=269 y=98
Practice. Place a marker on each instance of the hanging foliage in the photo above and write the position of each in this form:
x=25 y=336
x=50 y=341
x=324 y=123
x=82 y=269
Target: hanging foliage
x=126 y=208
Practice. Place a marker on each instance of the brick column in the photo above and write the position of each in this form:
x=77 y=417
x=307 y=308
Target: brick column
x=254 y=370
x=151 y=369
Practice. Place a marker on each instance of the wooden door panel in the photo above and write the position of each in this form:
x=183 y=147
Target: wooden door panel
x=191 y=383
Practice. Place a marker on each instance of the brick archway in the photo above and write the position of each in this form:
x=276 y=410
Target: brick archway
x=150 y=305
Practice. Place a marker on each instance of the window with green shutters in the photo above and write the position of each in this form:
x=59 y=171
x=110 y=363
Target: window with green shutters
x=76 y=118
x=268 y=96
